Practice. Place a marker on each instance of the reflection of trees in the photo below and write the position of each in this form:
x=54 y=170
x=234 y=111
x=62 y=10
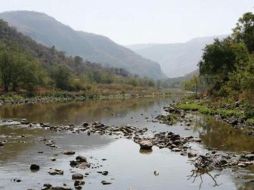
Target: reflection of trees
x=15 y=142
x=75 y=112
x=249 y=185
x=219 y=135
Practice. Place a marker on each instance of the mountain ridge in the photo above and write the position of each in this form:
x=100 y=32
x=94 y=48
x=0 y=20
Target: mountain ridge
x=92 y=47
x=176 y=59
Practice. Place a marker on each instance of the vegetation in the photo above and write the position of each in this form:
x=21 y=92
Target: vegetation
x=95 y=48
x=210 y=110
x=227 y=66
x=26 y=66
x=226 y=76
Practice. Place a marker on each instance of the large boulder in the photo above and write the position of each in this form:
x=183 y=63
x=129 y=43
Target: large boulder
x=146 y=145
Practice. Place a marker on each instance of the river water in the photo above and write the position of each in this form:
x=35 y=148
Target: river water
x=128 y=168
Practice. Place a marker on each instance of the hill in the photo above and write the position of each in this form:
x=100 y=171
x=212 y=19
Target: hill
x=28 y=65
x=94 y=48
x=176 y=59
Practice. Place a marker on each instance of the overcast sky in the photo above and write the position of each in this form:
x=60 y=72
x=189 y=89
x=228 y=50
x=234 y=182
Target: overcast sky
x=141 y=21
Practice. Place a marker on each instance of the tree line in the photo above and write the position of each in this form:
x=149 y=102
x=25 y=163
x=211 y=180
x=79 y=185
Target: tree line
x=227 y=66
x=26 y=66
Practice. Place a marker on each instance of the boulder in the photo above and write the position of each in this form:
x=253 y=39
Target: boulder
x=77 y=176
x=146 y=144
x=34 y=167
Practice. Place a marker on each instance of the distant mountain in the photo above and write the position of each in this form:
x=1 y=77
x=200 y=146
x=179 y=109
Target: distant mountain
x=94 y=48
x=176 y=59
x=11 y=39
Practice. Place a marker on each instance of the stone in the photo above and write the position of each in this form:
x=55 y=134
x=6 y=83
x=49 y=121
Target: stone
x=249 y=157
x=17 y=180
x=77 y=176
x=81 y=159
x=79 y=183
x=191 y=155
x=176 y=150
x=69 y=152
x=34 y=167
x=55 y=172
x=105 y=182
x=103 y=173
x=156 y=173
x=85 y=124
x=146 y=144
x=83 y=165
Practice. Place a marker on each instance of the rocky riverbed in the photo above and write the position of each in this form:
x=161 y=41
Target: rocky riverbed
x=69 y=167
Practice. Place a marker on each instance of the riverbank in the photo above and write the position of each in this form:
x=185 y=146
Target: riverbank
x=100 y=93
x=235 y=113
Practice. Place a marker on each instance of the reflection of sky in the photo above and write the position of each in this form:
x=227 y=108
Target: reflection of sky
x=125 y=164
x=129 y=168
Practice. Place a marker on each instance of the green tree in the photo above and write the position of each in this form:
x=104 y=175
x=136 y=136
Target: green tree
x=220 y=60
x=61 y=76
x=6 y=70
x=244 y=31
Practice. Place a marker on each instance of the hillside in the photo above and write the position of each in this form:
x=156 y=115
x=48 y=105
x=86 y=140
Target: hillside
x=10 y=37
x=91 y=47
x=176 y=59
x=28 y=65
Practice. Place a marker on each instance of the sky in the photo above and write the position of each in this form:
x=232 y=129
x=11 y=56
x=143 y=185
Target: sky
x=141 y=21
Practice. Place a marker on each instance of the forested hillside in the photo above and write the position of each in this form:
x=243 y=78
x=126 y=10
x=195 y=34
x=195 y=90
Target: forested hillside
x=91 y=47
x=28 y=65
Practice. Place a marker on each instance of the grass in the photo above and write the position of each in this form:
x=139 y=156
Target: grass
x=250 y=121
x=193 y=106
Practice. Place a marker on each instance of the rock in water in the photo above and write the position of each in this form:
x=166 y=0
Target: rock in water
x=249 y=157
x=146 y=145
x=77 y=176
x=69 y=152
x=55 y=172
x=34 y=167
x=81 y=159
x=156 y=173
x=1 y=144
x=105 y=182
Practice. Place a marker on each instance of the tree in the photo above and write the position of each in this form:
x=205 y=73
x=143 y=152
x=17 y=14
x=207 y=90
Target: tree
x=220 y=60
x=5 y=70
x=19 y=70
x=244 y=31
x=61 y=76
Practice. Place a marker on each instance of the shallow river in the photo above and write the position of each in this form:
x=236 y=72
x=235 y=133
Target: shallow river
x=128 y=168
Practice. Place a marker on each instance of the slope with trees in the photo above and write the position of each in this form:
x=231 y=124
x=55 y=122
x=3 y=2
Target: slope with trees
x=95 y=48
x=28 y=65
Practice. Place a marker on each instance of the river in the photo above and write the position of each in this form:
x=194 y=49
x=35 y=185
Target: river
x=128 y=168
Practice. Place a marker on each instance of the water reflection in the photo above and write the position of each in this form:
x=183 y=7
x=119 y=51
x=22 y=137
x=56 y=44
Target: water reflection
x=18 y=140
x=129 y=167
x=219 y=135
x=59 y=113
